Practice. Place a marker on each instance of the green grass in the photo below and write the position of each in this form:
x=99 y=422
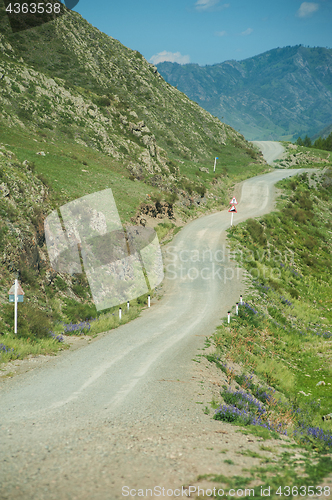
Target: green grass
x=25 y=346
x=26 y=343
x=62 y=169
x=283 y=333
x=286 y=477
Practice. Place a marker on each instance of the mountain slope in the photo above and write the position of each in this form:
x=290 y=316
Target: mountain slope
x=106 y=94
x=282 y=93
x=79 y=112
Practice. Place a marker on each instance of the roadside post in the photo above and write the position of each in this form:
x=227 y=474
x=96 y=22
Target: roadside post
x=120 y=314
x=16 y=295
x=237 y=308
x=229 y=317
x=215 y=163
x=241 y=300
x=233 y=210
x=149 y=300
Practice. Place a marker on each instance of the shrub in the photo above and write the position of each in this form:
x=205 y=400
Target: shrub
x=294 y=293
x=31 y=321
x=309 y=243
x=60 y=284
x=80 y=291
x=75 y=311
x=27 y=274
x=3 y=232
x=256 y=231
x=142 y=299
x=200 y=190
x=103 y=101
x=39 y=322
x=171 y=198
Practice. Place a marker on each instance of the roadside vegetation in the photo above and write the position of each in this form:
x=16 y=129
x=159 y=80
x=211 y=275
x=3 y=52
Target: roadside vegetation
x=40 y=333
x=276 y=353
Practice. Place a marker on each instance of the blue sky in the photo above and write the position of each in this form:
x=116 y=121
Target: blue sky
x=210 y=31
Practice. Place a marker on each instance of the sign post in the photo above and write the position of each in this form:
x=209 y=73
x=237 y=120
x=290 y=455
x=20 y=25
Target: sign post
x=215 y=163
x=233 y=210
x=16 y=295
x=15 y=309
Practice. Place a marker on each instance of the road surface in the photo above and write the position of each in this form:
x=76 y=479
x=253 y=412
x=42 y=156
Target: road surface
x=271 y=150
x=64 y=421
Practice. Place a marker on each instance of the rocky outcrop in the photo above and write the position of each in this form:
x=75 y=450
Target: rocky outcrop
x=158 y=210
x=295 y=158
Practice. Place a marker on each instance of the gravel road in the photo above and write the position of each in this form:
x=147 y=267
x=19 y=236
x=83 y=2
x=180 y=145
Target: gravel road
x=127 y=408
x=271 y=150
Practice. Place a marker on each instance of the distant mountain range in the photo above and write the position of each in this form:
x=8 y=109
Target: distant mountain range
x=281 y=94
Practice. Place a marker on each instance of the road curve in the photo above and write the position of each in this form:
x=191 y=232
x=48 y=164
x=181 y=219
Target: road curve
x=121 y=375
x=271 y=150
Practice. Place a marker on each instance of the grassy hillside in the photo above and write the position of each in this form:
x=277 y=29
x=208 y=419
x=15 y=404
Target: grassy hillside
x=71 y=81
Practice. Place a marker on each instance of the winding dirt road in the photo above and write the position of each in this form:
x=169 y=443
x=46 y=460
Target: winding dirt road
x=122 y=410
x=271 y=150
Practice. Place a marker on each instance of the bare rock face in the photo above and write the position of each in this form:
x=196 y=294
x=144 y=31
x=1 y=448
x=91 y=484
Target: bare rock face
x=158 y=210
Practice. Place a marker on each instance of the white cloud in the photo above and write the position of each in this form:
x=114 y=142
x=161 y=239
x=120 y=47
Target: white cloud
x=247 y=32
x=307 y=9
x=205 y=4
x=170 y=57
x=210 y=5
x=221 y=33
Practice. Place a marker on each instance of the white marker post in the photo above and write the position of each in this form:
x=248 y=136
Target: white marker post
x=15 y=307
x=16 y=295
x=233 y=210
x=241 y=301
x=128 y=305
x=229 y=317
x=149 y=300
x=215 y=163
x=237 y=308
x=120 y=314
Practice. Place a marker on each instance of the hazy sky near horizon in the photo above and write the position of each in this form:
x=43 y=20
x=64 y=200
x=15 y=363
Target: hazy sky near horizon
x=210 y=31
